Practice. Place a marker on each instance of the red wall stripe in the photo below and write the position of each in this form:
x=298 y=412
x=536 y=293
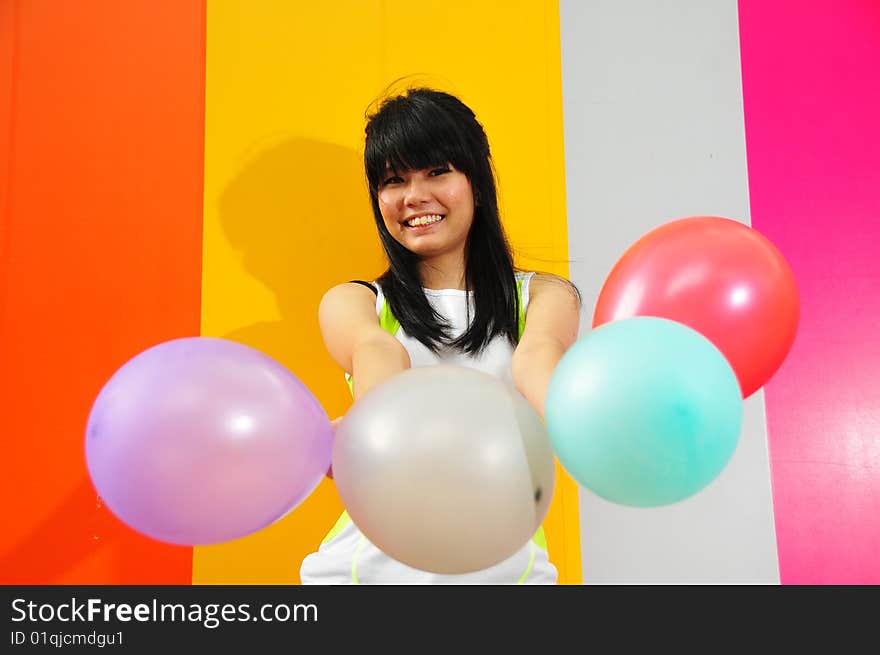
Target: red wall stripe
x=102 y=232
x=812 y=100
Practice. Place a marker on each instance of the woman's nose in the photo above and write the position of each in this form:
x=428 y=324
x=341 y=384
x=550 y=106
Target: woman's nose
x=417 y=192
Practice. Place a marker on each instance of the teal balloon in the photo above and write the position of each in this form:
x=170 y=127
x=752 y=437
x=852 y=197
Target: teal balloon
x=643 y=411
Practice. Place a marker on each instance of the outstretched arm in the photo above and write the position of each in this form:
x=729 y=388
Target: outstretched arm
x=552 y=322
x=355 y=340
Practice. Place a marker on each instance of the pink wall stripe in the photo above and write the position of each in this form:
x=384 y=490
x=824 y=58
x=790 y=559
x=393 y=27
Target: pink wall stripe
x=811 y=91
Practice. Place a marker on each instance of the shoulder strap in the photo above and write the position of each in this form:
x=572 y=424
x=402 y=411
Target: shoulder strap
x=366 y=284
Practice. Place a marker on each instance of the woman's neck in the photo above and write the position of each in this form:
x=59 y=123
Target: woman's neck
x=443 y=271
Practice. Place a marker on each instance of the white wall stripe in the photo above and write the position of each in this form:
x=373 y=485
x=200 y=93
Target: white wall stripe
x=653 y=132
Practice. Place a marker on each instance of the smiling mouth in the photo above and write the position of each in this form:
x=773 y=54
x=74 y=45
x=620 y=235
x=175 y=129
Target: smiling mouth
x=424 y=221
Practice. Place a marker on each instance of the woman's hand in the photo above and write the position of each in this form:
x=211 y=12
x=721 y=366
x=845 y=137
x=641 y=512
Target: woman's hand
x=334 y=423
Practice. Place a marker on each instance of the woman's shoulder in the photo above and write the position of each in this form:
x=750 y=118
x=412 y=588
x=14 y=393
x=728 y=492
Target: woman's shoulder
x=551 y=283
x=353 y=296
x=539 y=279
x=372 y=286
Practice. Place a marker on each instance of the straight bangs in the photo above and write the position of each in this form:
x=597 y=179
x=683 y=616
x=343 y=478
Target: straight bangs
x=408 y=138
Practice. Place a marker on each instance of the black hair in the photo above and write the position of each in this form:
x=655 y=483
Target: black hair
x=425 y=128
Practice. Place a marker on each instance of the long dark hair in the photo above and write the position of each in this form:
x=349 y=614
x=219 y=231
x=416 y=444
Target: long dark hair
x=425 y=128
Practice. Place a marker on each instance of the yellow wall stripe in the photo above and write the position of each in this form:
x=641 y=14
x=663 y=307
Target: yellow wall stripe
x=286 y=209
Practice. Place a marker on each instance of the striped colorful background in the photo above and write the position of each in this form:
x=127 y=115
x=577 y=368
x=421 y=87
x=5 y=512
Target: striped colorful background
x=179 y=168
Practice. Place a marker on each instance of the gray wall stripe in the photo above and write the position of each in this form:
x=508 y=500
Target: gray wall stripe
x=653 y=132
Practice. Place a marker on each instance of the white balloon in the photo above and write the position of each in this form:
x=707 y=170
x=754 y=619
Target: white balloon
x=444 y=468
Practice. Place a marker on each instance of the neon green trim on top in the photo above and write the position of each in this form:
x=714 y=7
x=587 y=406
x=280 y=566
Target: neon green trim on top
x=354 y=560
x=387 y=320
x=528 y=570
x=540 y=539
x=521 y=319
x=343 y=520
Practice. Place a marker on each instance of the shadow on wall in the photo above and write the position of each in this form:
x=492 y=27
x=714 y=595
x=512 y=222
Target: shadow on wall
x=299 y=215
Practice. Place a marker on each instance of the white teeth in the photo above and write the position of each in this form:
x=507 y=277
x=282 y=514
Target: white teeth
x=424 y=220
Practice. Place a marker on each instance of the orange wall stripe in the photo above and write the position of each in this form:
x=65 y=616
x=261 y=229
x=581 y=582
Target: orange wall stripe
x=101 y=230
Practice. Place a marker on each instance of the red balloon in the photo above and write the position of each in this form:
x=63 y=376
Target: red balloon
x=717 y=276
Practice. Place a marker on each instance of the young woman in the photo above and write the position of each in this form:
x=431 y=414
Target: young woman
x=450 y=294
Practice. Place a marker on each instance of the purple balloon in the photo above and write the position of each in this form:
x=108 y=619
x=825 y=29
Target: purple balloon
x=202 y=440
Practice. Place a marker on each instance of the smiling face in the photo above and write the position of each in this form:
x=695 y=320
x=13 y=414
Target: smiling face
x=428 y=211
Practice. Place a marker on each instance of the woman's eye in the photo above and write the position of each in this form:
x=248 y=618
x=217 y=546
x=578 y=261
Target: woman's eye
x=439 y=171
x=394 y=179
